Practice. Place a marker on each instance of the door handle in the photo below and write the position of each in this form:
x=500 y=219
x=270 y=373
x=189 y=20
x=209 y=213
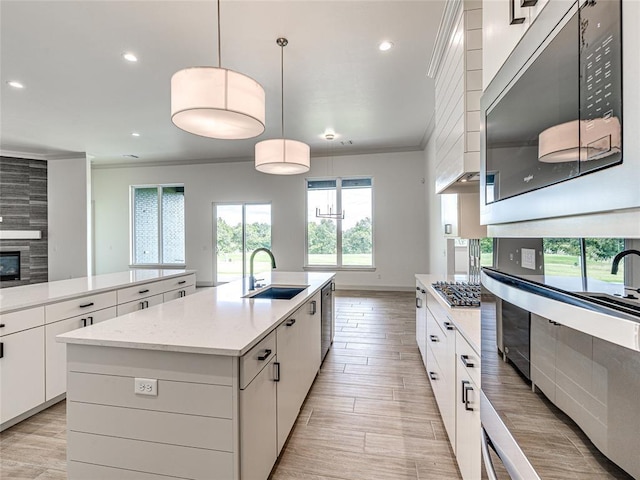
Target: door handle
x=464 y=390
x=433 y=376
x=276 y=366
x=290 y=322
x=448 y=325
x=467 y=389
x=418 y=302
x=265 y=355
x=143 y=291
x=433 y=338
x=86 y=305
x=84 y=322
x=466 y=362
x=90 y=320
x=313 y=307
x=1 y=349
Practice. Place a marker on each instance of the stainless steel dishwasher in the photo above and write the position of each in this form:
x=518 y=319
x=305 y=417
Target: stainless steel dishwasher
x=327 y=317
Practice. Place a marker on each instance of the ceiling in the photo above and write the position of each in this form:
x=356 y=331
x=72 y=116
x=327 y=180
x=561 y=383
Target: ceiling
x=81 y=96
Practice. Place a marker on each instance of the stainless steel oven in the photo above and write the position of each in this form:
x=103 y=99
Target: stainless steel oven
x=553 y=141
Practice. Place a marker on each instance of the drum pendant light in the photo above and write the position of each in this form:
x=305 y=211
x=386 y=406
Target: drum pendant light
x=281 y=156
x=216 y=102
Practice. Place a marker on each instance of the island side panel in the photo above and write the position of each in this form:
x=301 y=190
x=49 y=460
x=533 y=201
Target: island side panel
x=187 y=430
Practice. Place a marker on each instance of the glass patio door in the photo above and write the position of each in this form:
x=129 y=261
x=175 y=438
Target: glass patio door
x=240 y=228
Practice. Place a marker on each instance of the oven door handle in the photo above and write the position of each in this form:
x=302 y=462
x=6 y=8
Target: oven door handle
x=488 y=464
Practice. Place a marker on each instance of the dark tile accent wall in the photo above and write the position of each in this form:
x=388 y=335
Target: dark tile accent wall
x=23 y=206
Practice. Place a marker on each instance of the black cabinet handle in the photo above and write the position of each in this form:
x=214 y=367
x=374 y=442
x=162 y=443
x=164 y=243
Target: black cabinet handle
x=466 y=362
x=182 y=282
x=1 y=350
x=513 y=20
x=86 y=305
x=290 y=322
x=418 y=289
x=433 y=376
x=423 y=291
x=90 y=320
x=265 y=355
x=144 y=291
x=466 y=388
x=313 y=307
x=433 y=338
x=84 y=322
x=418 y=302
x=277 y=371
x=448 y=326
x=2 y=325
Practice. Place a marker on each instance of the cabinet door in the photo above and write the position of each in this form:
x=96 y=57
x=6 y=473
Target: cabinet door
x=21 y=372
x=421 y=322
x=543 y=355
x=293 y=369
x=449 y=204
x=312 y=340
x=258 y=447
x=56 y=353
x=467 y=425
x=148 y=302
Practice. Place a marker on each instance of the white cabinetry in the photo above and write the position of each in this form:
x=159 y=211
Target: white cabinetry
x=421 y=320
x=461 y=214
x=298 y=344
x=441 y=345
x=467 y=410
x=21 y=362
x=499 y=36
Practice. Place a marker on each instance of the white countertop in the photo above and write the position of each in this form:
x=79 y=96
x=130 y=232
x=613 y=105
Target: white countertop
x=466 y=320
x=25 y=296
x=215 y=321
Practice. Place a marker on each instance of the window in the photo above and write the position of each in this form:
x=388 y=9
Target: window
x=157 y=233
x=340 y=223
x=240 y=229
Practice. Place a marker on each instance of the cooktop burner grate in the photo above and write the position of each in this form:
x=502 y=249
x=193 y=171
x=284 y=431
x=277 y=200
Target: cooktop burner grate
x=459 y=294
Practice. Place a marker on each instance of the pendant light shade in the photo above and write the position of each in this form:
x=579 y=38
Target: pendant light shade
x=281 y=156
x=216 y=102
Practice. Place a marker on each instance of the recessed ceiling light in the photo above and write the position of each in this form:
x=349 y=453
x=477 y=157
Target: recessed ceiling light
x=14 y=84
x=129 y=57
x=329 y=136
x=135 y=134
x=384 y=46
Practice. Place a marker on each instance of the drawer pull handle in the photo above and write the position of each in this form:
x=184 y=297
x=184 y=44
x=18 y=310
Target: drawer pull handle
x=277 y=371
x=143 y=291
x=84 y=322
x=466 y=388
x=265 y=355
x=423 y=291
x=434 y=338
x=2 y=325
x=181 y=282
x=418 y=302
x=433 y=376
x=289 y=323
x=90 y=320
x=87 y=305
x=1 y=350
x=448 y=325
x=418 y=288
x=466 y=362
x=313 y=307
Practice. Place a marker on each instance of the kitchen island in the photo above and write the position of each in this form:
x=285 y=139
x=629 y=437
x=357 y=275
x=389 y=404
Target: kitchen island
x=207 y=386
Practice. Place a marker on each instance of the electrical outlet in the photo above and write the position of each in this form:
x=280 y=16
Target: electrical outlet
x=528 y=258
x=146 y=386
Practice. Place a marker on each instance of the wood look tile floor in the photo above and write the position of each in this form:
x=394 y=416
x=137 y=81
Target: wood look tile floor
x=370 y=414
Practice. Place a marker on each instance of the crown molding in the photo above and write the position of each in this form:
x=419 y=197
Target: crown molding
x=41 y=156
x=452 y=10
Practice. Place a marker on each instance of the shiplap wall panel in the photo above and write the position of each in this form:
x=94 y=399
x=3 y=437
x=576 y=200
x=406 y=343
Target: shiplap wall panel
x=458 y=90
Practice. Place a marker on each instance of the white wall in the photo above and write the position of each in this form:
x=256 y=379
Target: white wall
x=67 y=192
x=436 y=240
x=399 y=212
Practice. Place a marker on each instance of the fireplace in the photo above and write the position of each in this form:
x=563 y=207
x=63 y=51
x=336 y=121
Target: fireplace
x=9 y=266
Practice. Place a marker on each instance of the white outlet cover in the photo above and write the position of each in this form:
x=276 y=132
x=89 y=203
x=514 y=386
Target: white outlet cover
x=528 y=258
x=146 y=386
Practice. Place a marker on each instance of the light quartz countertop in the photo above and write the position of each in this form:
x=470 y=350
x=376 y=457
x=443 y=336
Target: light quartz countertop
x=25 y=296
x=215 y=321
x=465 y=319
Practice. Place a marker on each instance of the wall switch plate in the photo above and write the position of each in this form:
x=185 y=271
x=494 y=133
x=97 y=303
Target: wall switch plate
x=146 y=386
x=528 y=258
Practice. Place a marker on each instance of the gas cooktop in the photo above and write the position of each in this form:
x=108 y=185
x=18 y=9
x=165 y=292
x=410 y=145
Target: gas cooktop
x=459 y=294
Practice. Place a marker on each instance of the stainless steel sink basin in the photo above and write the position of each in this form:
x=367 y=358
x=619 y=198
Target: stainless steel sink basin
x=278 y=292
x=618 y=303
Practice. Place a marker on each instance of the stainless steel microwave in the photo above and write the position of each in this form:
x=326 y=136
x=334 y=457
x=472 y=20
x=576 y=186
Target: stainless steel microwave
x=558 y=137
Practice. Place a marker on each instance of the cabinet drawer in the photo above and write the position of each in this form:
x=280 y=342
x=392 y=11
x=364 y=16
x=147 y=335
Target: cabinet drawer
x=468 y=359
x=182 y=292
x=255 y=359
x=178 y=282
x=139 y=292
x=136 y=305
x=79 y=306
x=437 y=341
x=21 y=320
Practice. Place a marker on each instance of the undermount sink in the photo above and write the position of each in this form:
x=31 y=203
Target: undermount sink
x=629 y=305
x=278 y=292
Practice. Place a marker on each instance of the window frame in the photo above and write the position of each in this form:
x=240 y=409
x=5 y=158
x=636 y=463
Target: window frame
x=339 y=207
x=132 y=229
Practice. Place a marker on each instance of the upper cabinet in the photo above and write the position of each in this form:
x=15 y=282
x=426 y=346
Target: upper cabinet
x=457 y=68
x=504 y=22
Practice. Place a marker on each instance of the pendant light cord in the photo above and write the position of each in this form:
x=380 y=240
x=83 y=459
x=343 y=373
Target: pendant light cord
x=219 y=48
x=282 y=42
